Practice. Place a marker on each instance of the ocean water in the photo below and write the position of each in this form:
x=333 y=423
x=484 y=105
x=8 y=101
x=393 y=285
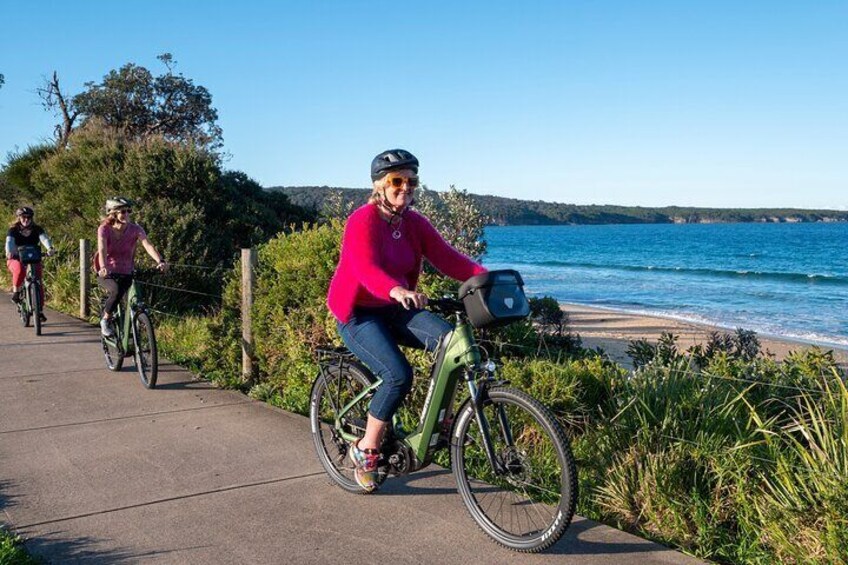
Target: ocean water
x=785 y=280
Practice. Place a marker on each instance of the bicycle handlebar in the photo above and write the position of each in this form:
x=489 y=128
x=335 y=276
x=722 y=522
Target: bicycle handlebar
x=446 y=305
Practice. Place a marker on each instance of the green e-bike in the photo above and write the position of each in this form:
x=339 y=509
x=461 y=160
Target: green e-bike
x=512 y=462
x=133 y=337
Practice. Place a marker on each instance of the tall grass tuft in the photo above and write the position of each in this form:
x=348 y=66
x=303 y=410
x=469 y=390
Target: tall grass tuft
x=803 y=499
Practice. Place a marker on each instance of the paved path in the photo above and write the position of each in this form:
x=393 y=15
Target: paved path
x=94 y=468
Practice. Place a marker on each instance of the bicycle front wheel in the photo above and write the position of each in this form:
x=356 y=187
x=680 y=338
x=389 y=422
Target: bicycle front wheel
x=332 y=391
x=528 y=502
x=23 y=312
x=112 y=351
x=146 y=355
x=35 y=300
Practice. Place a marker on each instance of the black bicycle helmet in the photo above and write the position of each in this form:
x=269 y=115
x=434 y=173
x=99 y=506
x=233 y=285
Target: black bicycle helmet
x=25 y=211
x=392 y=160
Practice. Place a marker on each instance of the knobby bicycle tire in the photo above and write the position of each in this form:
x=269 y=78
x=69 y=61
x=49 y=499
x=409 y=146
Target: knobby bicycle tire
x=146 y=353
x=330 y=391
x=528 y=507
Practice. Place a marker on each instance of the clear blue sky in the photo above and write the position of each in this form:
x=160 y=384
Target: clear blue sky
x=705 y=103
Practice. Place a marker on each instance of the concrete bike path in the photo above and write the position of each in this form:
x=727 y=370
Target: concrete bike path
x=96 y=469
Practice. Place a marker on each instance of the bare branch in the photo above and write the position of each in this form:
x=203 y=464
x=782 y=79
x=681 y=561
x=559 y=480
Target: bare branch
x=53 y=100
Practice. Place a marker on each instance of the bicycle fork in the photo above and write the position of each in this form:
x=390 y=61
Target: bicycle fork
x=479 y=395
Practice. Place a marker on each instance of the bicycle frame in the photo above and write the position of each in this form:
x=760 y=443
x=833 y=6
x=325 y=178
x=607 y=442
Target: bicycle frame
x=125 y=316
x=457 y=355
x=30 y=281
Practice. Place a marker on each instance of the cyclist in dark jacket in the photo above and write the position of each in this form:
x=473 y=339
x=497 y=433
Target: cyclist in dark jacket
x=24 y=231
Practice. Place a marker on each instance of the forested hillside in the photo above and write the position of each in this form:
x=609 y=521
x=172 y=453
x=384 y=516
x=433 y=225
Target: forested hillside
x=511 y=211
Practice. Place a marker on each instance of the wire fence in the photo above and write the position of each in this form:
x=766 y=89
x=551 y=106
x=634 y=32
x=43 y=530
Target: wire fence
x=168 y=314
x=199 y=267
x=541 y=349
x=183 y=290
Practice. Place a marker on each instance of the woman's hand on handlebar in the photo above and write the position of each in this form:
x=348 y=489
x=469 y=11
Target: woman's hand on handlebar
x=102 y=272
x=162 y=266
x=408 y=298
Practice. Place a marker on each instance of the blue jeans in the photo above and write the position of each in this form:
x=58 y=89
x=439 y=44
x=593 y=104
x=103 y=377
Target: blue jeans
x=373 y=335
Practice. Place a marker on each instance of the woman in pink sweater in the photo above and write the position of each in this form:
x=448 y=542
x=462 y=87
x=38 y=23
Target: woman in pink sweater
x=373 y=293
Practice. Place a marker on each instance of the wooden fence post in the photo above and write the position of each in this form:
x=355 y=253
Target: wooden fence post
x=248 y=264
x=85 y=280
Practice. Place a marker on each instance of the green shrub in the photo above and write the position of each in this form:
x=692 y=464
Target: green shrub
x=195 y=213
x=12 y=551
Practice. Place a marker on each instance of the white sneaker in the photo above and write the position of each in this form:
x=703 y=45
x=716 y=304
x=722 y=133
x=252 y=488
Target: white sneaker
x=106 y=327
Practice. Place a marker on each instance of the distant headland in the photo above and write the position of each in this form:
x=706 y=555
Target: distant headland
x=512 y=212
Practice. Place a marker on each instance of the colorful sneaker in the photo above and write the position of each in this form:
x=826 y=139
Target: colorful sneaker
x=365 y=466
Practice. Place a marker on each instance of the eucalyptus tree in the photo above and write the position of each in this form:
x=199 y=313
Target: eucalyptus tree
x=139 y=104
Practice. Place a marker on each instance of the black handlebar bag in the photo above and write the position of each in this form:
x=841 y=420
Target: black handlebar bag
x=29 y=254
x=494 y=299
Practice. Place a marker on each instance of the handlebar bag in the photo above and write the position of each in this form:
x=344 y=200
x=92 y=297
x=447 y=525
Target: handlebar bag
x=495 y=298
x=29 y=254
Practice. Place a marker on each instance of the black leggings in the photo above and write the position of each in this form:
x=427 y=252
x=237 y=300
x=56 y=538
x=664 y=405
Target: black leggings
x=116 y=286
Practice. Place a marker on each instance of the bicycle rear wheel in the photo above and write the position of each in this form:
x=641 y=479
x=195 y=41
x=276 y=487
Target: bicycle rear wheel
x=35 y=300
x=146 y=354
x=330 y=392
x=529 y=504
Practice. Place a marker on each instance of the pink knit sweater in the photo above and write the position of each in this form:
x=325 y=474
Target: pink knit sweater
x=373 y=262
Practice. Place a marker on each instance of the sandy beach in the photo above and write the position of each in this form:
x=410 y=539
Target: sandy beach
x=613 y=330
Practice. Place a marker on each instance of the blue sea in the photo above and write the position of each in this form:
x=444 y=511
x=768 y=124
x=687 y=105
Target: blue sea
x=785 y=280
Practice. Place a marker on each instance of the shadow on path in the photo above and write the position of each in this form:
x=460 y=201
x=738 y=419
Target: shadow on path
x=6 y=500
x=55 y=547
x=573 y=541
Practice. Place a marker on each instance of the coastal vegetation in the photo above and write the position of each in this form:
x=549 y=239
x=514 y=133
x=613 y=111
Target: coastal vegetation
x=719 y=450
x=510 y=211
